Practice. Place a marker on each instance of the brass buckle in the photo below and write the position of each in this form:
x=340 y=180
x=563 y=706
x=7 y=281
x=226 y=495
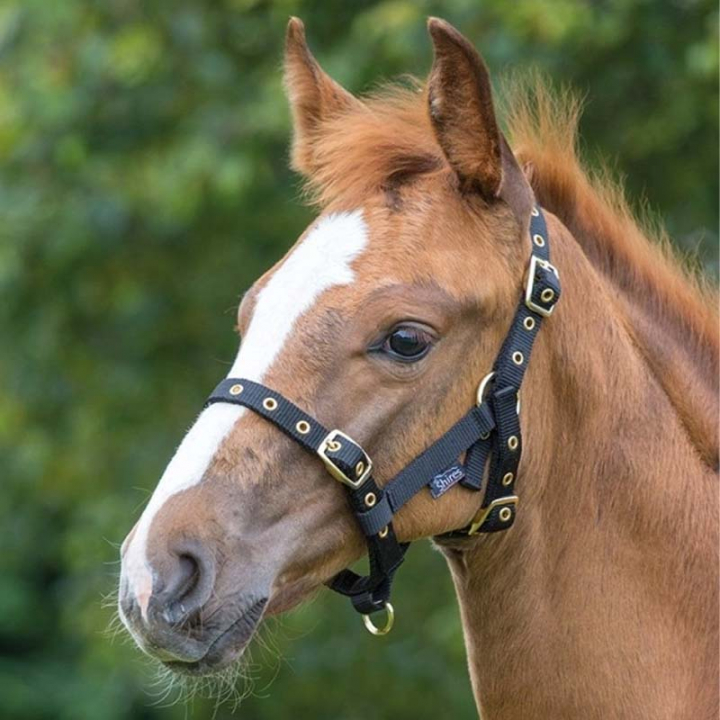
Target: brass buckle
x=333 y=442
x=530 y=286
x=482 y=515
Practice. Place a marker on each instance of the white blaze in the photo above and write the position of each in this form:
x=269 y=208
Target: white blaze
x=321 y=261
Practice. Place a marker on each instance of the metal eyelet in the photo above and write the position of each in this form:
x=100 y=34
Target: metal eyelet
x=529 y=323
x=539 y=240
x=513 y=442
x=302 y=427
x=547 y=295
x=370 y=499
x=535 y=212
x=360 y=468
x=507 y=479
x=270 y=404
x=334 y=446
x=505 y=514
x=384 y=532
x=236 y=389
x=518 y=358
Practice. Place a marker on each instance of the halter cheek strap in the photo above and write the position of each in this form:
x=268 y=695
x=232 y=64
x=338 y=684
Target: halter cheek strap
x=489 y=431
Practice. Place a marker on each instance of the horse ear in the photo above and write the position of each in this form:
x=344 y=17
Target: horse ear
x=313 y=96
x=463 y=118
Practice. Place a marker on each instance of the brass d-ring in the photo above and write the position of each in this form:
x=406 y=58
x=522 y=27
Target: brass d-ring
x=385 y=629
x=480 y=397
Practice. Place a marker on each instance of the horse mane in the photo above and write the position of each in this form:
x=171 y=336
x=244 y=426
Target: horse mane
x=388 y=139
x=669 y=306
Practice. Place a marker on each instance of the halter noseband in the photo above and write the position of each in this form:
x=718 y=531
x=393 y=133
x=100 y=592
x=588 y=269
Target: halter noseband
x=490 y=430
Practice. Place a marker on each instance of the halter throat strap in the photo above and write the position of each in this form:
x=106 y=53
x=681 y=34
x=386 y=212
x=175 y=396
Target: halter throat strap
x=489 y=432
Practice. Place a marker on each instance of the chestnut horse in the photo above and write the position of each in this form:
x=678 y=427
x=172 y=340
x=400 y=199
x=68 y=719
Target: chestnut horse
x=602 y=600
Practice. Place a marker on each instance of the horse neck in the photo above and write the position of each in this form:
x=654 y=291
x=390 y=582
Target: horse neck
x=601 y=600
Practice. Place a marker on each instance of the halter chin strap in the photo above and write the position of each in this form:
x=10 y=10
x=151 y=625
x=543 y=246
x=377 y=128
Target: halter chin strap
x=490 y=430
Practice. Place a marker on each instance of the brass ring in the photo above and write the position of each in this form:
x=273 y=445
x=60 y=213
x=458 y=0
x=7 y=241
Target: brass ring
x=529 y=323
x=374 y=629
x=236 y=389
x=481 y=388
x=370 y=499
x=384 y=532
x=518 y=358
x=539 y=240
x=513 y=442
x=270 y=404
x=508 y=478
x=547 y=295
x=303 y=427
x=505 y=514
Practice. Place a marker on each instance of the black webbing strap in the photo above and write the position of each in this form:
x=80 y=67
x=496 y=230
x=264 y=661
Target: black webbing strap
x=502 y=394
x=489 y=430
x=370 y=593
x=348 y=463
x=472 y=430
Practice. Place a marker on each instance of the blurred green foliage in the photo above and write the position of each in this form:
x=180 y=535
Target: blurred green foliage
x=143 y=186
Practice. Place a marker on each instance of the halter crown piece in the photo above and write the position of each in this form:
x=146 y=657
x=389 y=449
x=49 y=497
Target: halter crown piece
x=489 y=431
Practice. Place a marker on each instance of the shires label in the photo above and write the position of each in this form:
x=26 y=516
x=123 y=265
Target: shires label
x=441 y=483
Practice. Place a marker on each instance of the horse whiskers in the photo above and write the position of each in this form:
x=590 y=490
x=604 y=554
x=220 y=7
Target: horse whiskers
x=113 y=544
x=229 y=687
x=114 y=628
x=168 y=683
x=110 y=599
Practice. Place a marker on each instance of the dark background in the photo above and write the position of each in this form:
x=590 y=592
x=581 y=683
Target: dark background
x=143 y=186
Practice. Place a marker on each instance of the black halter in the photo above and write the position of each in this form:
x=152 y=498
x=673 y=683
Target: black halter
x=491 y=429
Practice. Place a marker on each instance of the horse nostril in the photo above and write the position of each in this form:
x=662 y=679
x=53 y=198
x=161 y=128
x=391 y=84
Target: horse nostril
x=188 y=585
x=185 y=579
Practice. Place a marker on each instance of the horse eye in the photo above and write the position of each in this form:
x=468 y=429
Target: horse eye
x=407 y=343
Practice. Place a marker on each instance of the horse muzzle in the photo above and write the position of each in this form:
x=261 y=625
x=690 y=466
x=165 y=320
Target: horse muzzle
x=193 y=645
x=182 y=623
